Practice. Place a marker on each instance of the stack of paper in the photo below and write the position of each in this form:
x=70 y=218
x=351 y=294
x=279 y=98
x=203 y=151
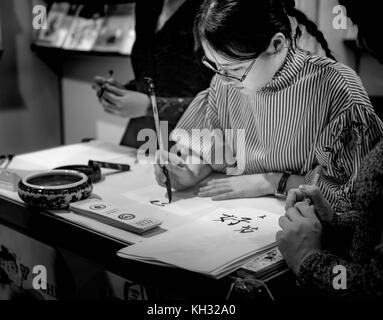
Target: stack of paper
x=265 y=264
x=215 y=244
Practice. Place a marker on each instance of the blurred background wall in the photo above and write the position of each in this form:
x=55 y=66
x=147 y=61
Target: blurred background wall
x=29 y=88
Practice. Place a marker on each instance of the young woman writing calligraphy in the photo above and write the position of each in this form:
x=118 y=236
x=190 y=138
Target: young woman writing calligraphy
x=299 y=112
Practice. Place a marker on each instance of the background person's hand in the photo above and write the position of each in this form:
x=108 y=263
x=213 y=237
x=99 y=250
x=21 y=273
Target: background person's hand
x=322 y=207
x=181 y=175
x=246 y=186
x=124 y=103
x=300 y=236
x=99 y=83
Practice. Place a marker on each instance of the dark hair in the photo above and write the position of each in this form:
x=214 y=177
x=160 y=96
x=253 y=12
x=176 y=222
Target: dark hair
x=236 y=30
x=310 y=26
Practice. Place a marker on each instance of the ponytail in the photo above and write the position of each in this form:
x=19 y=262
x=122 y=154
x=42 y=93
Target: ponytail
x=310 y=26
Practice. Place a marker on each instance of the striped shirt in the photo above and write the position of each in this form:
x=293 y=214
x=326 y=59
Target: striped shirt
x=314 y=113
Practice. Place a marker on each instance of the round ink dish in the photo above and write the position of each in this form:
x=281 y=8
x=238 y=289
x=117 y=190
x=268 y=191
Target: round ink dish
x=93 y=172
x=54 y=189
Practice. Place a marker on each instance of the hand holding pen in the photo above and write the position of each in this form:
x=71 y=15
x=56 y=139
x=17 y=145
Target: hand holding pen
x=108 y=78
x=116 y=99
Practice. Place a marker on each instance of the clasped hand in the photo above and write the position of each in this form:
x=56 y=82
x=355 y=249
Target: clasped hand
x=302 y=225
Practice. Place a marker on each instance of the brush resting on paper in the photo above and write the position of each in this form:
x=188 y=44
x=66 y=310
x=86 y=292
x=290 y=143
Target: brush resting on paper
x=158 y=131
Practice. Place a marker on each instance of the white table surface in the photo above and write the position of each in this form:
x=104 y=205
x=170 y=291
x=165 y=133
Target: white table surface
x=125 y=189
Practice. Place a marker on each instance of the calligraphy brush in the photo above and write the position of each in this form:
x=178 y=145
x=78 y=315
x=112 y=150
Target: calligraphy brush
x=159 y=136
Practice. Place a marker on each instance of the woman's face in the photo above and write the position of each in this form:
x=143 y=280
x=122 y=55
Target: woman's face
x=239 y=74
x=249 y=75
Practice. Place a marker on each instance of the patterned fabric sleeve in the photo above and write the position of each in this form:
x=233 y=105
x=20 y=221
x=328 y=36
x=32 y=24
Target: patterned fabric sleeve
x=343 y=144
x=362 y=280
x=340 y=233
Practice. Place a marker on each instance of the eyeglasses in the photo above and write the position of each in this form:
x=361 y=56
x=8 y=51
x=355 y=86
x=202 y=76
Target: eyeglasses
x=213 y=66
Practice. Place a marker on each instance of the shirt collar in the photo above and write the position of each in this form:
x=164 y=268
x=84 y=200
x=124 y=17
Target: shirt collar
x=291 y=67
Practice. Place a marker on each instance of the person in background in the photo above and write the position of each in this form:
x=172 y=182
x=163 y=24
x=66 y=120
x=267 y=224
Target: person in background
x=164 y=51
x=315 y=240
x=301 y=113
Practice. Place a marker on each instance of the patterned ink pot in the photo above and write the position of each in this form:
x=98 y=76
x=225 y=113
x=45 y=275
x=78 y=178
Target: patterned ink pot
x=54 y=189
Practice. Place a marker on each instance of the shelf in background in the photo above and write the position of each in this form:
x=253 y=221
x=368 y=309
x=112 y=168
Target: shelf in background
x=61 y=51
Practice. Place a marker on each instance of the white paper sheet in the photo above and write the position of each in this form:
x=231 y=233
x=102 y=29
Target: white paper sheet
x=73 y=154
x=218 y=239
x=132 y=190
x=183 y=203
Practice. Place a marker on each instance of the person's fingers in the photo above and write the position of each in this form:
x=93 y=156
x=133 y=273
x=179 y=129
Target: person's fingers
x=96 y=86
x=115 y=83
x=224 y=196
x=111 y=97
x=164 y=157
x=278 y=237
x=159 y=174
x=314 y=193
x=103 y=80
x=216 y=182
x=175 y=169
x=284 y=222
x=159 y=180
x=160 y=183
x=202 y=184
x=213 y=187
x=293 y=196
x=175 y=160
x=99 y=80
x=293 y=214
x=109 y=106
x=211 y=192
x=115 y=90
x=305 y=209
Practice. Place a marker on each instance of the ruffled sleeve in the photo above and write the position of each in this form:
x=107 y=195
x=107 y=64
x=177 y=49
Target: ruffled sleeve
x=343 y=144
